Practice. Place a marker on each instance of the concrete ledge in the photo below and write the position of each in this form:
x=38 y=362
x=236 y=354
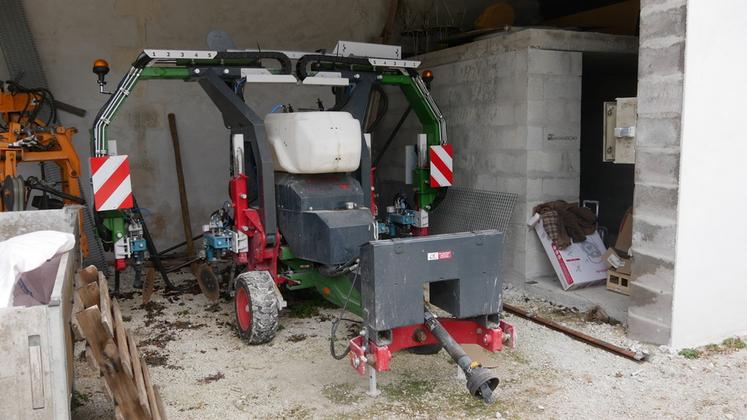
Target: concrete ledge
x=548 y=288
x=533 y=38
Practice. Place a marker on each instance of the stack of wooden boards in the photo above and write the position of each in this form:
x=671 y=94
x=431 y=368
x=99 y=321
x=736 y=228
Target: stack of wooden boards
x=111 y=349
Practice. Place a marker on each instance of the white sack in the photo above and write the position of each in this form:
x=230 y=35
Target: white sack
x=28 y=252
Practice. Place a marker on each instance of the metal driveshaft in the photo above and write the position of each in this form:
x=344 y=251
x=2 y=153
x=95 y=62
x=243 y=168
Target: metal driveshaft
x=480 y=381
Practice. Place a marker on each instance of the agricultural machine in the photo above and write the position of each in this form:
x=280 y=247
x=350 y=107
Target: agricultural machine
x=30 y=133
x=302 y=211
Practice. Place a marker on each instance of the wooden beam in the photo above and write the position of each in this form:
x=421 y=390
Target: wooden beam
x=105 y=304
x=88 y=275
x=159 y=402
x=150 y=391
x=120 y=335
x=137 y=370
x=106 y=354
x=88 y=295
x=77 y=332
x=391 y=20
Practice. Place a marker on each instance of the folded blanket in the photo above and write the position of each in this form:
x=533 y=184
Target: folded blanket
x=565 y=222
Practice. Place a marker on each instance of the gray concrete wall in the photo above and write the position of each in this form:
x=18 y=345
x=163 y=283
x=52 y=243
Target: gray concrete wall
x=512 y=104
x=660 y=86
x=71 y=34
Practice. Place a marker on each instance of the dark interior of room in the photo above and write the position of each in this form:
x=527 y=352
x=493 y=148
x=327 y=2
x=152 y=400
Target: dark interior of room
x=605 y=77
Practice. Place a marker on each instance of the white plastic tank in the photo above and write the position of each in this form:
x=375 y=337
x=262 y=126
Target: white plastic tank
x=315 y=142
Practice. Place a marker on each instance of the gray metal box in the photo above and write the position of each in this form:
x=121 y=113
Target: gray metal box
x=462 y=270
x=327 y=237
x=315 y=220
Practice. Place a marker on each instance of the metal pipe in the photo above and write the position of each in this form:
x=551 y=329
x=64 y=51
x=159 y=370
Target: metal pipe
x=622 y=352
x=179 y=245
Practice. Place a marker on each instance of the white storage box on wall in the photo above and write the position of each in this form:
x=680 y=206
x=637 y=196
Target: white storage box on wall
x=314 y=142
x=579 y=265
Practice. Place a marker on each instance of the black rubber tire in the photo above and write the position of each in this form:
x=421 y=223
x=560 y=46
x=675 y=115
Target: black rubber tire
x=256 y=290
x=426 y=350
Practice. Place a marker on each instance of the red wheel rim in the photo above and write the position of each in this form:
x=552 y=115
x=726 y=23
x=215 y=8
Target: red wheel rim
x=243 y=309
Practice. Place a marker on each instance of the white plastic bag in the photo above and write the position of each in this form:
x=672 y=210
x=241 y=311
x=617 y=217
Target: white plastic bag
x=27 y=252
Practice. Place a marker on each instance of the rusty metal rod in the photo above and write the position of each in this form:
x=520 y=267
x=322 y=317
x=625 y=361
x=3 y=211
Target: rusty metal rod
x=190 y=261
x=622 y=352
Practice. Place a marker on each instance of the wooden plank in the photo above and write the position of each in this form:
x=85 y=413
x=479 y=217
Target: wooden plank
x=106 y=354
x=120 y=336
x=91 y=361
x=137 y=370
x=159 y=402
x=151 y=392
x=88 y=295
x=77 y=332
x=88 y=275
x=184 y=203
x=108 y=391
x=118 y=413
x=105 y=305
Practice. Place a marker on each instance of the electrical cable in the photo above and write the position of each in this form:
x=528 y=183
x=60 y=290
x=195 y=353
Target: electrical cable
x=43 y=95
x=333 y=330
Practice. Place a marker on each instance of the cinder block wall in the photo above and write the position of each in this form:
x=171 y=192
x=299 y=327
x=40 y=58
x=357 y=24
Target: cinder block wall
x=660 y=86
x=513 y=116
x=553 y=127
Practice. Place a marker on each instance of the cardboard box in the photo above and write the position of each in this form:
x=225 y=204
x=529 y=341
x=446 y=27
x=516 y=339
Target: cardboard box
x=625 y=235
x=580 y=265
x=617 y=262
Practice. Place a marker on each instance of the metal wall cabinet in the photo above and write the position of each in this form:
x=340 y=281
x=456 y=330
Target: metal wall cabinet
x=620 y=119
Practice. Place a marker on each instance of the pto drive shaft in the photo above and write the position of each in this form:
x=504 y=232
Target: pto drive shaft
x=480 y=381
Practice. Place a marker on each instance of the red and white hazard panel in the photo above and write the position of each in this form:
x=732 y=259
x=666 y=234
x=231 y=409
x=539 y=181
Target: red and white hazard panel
x=112 y=188
x=442 y=168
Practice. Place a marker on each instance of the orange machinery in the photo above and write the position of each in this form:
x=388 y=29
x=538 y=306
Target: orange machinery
x=25 y=136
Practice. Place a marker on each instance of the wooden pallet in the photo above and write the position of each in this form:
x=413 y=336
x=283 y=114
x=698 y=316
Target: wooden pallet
x=111 y=349
x=618 y=282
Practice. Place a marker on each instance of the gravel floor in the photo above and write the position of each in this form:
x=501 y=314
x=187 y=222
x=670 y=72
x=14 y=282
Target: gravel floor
x=206 y=372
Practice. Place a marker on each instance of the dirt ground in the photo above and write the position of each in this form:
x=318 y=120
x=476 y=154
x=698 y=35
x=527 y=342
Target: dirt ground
x=206 y=372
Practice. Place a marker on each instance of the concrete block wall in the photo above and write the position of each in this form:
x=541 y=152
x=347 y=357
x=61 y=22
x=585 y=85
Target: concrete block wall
x=513 y=117
x=484 y=100
x=553 y=126
x=660 y=87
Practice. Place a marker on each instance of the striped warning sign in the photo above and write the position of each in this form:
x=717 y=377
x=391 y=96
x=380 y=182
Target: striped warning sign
x=442 y=169
x=112 y=188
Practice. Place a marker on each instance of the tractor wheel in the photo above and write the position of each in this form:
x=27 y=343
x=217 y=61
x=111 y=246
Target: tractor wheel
x=256 y=307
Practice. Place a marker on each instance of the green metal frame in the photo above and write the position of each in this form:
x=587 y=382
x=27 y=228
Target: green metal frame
x=338 y=290
x=425 y=194
x=113 y=220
